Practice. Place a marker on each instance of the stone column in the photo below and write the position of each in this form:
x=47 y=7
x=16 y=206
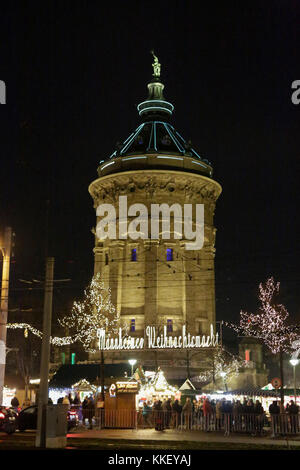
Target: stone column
x=98 y=259
x=184 y=275
x=150 y=310
x=120 y=254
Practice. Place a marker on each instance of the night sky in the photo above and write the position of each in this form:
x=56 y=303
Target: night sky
x=75 y=72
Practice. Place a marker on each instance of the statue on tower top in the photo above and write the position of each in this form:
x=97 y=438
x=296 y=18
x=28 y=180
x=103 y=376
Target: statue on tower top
x=156 y=66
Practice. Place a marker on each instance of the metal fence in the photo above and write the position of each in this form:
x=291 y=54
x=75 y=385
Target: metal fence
x=283 y=425
x=227 y=423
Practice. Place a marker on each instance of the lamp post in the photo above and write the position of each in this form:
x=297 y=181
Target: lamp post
x=294 y=363
x=223 y=375
x=132 y=362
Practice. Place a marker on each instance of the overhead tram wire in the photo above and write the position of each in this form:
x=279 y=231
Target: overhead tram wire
x=167 y=280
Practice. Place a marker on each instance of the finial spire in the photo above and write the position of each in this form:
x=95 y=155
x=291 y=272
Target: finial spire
x=156 y=66
x=155 y=106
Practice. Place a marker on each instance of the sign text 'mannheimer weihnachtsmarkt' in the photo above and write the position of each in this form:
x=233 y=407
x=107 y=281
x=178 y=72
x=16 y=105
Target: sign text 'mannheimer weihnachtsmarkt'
x=154 y=341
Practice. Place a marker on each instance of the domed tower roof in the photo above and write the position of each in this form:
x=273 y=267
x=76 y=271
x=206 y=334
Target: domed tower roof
x=155 y=142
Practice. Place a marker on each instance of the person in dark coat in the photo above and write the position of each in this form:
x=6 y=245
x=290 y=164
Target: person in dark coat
x=227 y=407
x=227 y=410
x=176 y=415
x=158 y=416
x=90 y=407
x=244 y=406
x=287 y=408
x=274 y=408
x=293 y=411
x=259 y=417
x=70 y=399
x=76 y=400
x=15 y=402
x=250 y=406
x=258 y=409
x=274 y=411
x=85 y=412
x=177 y=407
x=293 y=408
x=168 y=412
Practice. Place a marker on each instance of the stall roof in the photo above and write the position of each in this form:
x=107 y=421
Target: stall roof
x=68 y=375
x=187 y=385
x=191 y=393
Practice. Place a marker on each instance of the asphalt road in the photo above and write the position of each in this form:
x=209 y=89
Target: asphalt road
x=139 y=441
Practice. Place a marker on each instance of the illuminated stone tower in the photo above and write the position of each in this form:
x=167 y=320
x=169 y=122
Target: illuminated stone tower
x=158 y=282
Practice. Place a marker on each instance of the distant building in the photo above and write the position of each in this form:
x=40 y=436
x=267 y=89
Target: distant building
x=256 y=373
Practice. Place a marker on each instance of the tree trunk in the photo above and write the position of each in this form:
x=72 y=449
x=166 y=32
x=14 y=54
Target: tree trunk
x=213 y=370
x=102 y=375
x=155 y=359
x=27 y=382
x=281 y=378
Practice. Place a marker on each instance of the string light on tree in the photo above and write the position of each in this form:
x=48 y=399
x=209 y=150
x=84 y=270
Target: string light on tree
x=224 y=362
x=95 y=312
x=270 y=325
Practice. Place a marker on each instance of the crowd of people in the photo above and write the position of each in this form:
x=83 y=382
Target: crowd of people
x=205 y=414
x=87 y=409
x=212 y=414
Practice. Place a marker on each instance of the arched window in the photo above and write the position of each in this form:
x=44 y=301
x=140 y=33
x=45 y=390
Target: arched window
x=133 y=254
x=132 y=325
x=170 y=326
x=247 y=355
x=169 y=254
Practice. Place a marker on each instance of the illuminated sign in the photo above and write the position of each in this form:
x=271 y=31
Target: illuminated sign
x=112 y=391
x=127 y=387
x=154 y=341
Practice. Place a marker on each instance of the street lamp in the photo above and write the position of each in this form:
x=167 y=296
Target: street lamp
x=132 y=362
x=294 y=363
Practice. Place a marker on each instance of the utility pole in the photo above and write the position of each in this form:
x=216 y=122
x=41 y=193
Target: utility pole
x=102 y=378
x=282 y=379
x=45 y=357
x=188 y=364
x=5 y=248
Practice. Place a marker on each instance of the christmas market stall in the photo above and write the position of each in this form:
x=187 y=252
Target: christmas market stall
x=120 y=405
x=188 y=390
x=264 y=395
x=154 y=386
x=84 y=378
x=83 y=388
